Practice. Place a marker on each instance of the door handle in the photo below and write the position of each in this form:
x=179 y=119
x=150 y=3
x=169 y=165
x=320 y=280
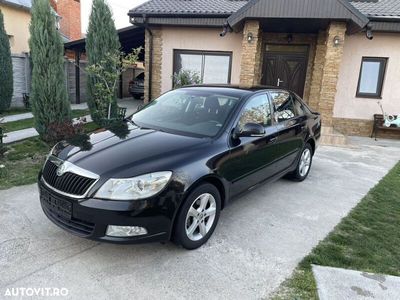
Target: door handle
x=272 y=140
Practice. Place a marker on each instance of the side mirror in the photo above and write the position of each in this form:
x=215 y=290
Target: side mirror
x=250 y=130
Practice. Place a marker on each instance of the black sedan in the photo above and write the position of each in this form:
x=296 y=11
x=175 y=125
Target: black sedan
x=184 y=156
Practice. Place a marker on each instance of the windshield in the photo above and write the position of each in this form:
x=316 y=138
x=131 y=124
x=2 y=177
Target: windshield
x=196 y=112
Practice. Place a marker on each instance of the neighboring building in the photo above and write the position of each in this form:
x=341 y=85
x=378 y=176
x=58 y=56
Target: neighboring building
x=17 y=17
x=321 y=49
x=69 y=12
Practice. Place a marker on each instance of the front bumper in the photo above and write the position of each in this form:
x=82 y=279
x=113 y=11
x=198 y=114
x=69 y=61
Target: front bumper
x=90 y=217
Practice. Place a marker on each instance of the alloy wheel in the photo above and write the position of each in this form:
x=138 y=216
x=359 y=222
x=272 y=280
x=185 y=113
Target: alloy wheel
x=200 y=217
x=305 y=162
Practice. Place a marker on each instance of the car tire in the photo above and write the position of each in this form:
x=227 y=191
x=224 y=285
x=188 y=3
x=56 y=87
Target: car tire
x=303 y=165
x=198 y=217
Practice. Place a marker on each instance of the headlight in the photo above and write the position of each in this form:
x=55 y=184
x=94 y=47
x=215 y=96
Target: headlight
x=135 y=188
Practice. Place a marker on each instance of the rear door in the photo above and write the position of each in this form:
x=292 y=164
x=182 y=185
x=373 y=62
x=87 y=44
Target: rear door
x=291 y=126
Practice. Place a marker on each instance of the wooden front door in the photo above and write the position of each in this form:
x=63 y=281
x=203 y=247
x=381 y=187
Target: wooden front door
x=286 y=66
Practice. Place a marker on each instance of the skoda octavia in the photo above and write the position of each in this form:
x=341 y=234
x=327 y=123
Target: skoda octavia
x=180 y=161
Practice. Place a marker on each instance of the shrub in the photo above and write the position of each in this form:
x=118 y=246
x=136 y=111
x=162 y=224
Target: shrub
x=186 y=77
x=104 y=89
x=48 y=92
x=6 y=72
x=66 y=130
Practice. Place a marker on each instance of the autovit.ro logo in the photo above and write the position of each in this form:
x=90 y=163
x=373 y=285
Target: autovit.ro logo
x=36 y=292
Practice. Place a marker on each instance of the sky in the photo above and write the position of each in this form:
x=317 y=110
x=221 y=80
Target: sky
x=119 y=8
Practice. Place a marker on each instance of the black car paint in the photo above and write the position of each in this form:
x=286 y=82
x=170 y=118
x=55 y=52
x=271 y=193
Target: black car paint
x=232 y=165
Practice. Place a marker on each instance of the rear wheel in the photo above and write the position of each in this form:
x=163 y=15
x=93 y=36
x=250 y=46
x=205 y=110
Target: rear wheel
x=304 y=164
x=198 y=217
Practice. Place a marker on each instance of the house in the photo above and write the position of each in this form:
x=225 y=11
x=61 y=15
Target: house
x=17 y=18
x=341 y=56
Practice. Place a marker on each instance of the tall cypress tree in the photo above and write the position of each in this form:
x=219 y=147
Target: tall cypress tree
x=102 y=42
x=48 y=92
x=6 y=71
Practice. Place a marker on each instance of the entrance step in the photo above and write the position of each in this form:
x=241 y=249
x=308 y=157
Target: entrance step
x=329 y=136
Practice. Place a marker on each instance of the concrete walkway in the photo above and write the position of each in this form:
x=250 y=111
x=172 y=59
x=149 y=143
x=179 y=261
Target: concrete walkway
x=339 y=284
x=29 y=115
x=14 y=136
x=260 y=239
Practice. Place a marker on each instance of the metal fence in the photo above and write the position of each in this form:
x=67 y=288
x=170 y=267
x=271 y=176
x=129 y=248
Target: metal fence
x=22 y=77
x=22 y=71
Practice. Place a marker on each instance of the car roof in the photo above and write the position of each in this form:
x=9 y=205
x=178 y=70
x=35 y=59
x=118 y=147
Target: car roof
x=237 y=89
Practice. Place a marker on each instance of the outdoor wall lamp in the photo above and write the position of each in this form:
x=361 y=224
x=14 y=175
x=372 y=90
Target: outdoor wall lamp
x=336 y=41
x=250 y=37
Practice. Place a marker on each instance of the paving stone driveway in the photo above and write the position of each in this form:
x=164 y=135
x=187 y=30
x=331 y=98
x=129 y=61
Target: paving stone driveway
x=260 y=238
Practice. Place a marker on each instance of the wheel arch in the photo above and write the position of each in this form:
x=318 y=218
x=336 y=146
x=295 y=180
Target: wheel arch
x=312 y=144
x=211 y=179
x=214 y=180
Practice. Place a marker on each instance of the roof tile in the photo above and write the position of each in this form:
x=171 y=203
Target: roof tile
x=371 y=8
x=378 y=8
x=183 y=7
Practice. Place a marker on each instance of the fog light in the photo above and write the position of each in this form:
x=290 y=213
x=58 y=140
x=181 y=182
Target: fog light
x=125 y=231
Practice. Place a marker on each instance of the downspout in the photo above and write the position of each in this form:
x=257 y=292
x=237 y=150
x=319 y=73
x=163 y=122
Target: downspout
x=146 y=26
x=225 y=29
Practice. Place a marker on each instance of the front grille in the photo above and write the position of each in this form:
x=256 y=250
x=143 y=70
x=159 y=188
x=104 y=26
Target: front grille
x=69 y=183
x=76 y=226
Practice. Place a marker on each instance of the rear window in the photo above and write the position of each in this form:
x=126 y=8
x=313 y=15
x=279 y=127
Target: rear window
x=140 y=76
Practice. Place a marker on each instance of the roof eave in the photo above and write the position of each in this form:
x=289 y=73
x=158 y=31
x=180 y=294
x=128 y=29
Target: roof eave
x=135 y=14
x=359 y=19
x=15 y=5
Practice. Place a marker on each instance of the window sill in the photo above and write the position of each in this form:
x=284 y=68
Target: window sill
x=364 y=96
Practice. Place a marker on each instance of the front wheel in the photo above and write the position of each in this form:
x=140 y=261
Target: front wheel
x=198 y=217
x=304 y=164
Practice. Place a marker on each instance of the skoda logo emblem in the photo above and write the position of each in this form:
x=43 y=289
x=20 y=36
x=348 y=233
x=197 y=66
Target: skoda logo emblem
x=61 y=169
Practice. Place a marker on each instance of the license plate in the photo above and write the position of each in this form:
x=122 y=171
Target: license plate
x=56 y=205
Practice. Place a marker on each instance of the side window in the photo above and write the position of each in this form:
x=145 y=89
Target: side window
x=298 y=107
x=257 y=110
x=283 y=105
x=304 y=106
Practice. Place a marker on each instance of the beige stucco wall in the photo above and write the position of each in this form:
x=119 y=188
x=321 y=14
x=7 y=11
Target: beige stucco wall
x=347 y=105
x=16 y=22
x=207 y=39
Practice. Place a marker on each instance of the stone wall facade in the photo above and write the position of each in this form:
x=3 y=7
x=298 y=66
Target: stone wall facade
x=251 y=62
x=156 y=64
x=360 y=127
x=353 y=126
x=318 y=67
x=331 y=67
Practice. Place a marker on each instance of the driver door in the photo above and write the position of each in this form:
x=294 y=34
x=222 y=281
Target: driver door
x=251 y=158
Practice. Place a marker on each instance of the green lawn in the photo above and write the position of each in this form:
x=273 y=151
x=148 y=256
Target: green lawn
x=28 y=123
x=14 y=111
x=368 y=239
x=24 y=159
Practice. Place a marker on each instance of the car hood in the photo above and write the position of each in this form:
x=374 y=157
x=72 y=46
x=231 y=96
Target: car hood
x=137 y=151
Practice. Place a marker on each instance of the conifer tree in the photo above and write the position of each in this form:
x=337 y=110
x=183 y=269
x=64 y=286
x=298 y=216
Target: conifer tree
x=48 y=92
x=102 y=49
